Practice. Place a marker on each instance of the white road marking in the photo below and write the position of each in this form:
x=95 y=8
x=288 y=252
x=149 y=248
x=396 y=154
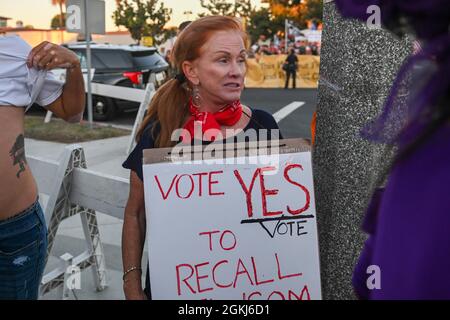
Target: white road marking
x=287 y=110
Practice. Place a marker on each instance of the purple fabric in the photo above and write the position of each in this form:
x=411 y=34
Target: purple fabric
x=368 y=226
x=410 y=231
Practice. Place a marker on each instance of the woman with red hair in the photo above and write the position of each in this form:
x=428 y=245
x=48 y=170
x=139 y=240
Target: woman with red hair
x=210 y=57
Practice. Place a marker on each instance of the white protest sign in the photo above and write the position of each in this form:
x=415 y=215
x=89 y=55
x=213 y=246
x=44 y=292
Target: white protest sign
x=233 y=231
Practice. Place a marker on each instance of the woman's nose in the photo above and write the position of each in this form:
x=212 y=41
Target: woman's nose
x=236 y=69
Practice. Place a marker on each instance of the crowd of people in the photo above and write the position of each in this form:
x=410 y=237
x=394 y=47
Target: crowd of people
x=266 y=46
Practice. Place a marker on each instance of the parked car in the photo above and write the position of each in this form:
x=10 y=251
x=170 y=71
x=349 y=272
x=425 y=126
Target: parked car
x=120 y=65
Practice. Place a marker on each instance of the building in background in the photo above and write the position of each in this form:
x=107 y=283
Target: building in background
x=35 y=36
x=4 y=22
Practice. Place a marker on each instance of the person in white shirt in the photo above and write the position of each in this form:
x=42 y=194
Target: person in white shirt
x=25 y=77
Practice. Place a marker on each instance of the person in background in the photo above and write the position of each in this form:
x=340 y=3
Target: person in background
x=168 y=52
x=170 y=72
x=24 y=79
x=308 y=50
x=290 y=66
x=167 y=55
x=302 y=47
x=408 y=219
x=314 y=49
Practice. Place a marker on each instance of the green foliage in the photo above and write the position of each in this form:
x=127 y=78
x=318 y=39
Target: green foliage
x=142 y=18
x=56 y=21
x=260 y=24
x=217 y=8
x=167 y=34
x=314 y=10
x=232 y=8
x=62 y=22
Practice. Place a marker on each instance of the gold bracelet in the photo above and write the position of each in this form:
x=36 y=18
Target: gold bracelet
x=130 y=270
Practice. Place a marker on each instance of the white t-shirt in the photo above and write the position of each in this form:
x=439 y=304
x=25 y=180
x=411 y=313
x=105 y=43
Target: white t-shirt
x=18 y=82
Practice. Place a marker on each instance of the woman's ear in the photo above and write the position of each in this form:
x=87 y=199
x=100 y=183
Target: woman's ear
x=190 y=72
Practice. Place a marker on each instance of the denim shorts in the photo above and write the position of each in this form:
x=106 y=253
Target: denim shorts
x=23 y=248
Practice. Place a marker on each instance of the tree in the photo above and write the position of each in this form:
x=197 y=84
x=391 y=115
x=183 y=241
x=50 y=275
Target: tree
x=142 y=18
x=217 y=8
x=166 y=34
x=298 y=11
x=56 y=22
x=60 y=3
x=260 y=24
x=314 y=10
x=232 y=8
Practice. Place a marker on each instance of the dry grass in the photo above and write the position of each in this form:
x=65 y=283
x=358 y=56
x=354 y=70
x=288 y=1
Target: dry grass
x=59 y=131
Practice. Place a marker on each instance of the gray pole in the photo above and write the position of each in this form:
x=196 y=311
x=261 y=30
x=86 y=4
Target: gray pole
x=286 y=30
x=87 y=36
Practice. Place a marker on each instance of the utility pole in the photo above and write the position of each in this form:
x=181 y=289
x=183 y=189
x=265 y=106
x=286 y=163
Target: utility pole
x=87 y=36
x=286 y=34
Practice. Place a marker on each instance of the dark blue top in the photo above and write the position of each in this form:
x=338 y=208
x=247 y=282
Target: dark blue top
x=292 y=60
x=259 y=120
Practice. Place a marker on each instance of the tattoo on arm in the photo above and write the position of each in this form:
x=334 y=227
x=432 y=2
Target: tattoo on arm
x=17 y=153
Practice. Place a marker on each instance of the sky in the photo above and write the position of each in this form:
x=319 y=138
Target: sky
x=39 y=13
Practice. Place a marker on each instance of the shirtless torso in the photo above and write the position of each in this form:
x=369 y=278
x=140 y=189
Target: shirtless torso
x=17 y=185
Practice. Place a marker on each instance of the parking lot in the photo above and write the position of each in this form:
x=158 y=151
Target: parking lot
x=297 y=108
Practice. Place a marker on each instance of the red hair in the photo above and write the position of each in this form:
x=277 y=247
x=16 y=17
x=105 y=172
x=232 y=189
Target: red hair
x=168 y=107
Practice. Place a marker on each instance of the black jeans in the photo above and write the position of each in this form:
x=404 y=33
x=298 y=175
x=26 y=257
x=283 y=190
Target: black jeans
x=288 y=76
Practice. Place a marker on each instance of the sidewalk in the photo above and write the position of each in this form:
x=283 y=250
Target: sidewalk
x=105 y=156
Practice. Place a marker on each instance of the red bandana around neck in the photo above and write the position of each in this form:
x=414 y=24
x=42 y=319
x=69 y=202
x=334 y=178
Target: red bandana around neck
x=227 y=116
